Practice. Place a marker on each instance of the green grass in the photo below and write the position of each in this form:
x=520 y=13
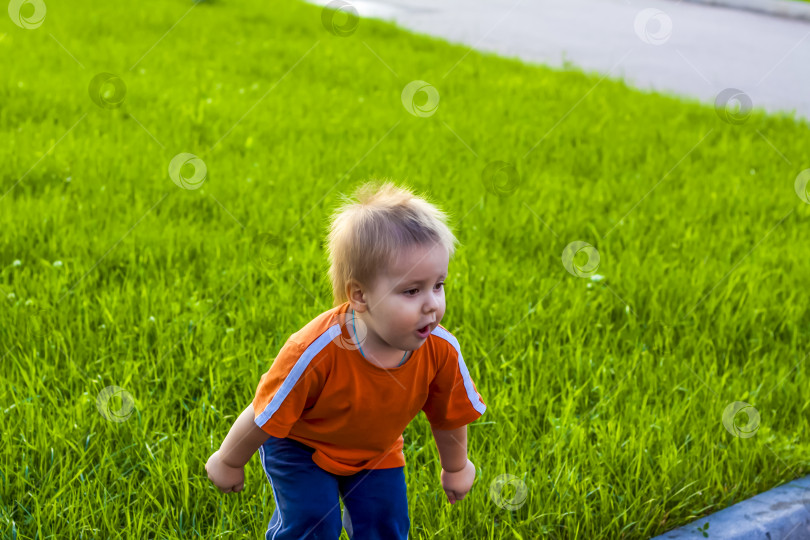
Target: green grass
x=604 y=397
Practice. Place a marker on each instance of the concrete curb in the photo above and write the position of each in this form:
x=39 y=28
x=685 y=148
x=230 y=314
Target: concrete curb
x=790 y=9
x=779 y=513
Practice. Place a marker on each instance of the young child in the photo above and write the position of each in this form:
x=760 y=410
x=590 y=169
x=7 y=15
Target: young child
x=328 y=416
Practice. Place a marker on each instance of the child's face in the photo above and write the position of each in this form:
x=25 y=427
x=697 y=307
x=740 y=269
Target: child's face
x=407 y=297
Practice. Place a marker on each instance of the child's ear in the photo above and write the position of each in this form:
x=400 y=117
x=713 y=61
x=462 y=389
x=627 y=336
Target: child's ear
x=356 y=296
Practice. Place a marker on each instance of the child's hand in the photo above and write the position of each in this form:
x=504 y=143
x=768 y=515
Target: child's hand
x=225 y=477
x=457 y=484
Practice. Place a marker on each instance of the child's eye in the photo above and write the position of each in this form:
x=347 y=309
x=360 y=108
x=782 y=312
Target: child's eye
x=413 y=290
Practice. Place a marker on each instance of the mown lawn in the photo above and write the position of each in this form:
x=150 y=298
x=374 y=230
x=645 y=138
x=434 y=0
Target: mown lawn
x=605 y=393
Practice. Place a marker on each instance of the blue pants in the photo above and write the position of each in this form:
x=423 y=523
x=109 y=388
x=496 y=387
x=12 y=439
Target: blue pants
x=375 y=502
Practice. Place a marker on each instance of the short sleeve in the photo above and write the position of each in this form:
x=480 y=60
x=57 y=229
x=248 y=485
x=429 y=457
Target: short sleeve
x=285 y=390
x=453 y=400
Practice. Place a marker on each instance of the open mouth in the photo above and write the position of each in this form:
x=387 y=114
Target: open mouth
x=424 y=331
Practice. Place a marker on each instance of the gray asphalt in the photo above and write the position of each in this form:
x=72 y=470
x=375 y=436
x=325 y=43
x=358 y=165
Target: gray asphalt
x=782 y=512
x=681 y=48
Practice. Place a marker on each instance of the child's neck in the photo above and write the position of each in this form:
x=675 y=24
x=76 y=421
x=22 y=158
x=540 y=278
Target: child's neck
x=374 y=350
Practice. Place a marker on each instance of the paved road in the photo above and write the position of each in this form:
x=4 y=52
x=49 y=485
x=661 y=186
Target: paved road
x=678 y=47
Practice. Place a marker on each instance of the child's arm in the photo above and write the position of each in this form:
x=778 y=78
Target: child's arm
x=226 y=466
x=452 y=446
x=458 y=472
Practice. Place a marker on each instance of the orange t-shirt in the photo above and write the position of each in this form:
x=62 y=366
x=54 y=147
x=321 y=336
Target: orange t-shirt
x=322 y=392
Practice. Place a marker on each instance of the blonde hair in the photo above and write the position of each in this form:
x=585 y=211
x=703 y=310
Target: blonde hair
x=368 y=230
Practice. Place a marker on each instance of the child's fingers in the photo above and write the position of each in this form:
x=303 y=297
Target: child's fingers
x=240 y=487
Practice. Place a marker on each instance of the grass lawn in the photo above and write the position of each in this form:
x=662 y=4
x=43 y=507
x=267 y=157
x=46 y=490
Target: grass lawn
x=605 y=396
